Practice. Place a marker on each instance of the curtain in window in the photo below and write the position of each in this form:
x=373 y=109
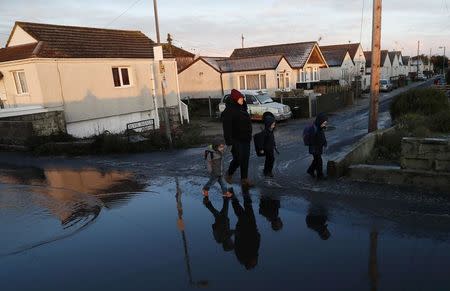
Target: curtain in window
x=116 y=77
x=125 y=77
x=252 y=82
x=23 y=82
x=263 y=82
x=241 y=82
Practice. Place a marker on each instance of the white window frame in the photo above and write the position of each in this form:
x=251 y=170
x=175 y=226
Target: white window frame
x=245 y=87
x=18 y=83
x=315 y=74
x=130 y=79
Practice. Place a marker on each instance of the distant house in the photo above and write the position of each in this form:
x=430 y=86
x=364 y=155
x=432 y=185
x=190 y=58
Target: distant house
x=182 y=57
x=269 y=68
x=420 y=64
x=385 y=64
x=345 y=61
x=406 y=68
x=100 y=79
x=396 y=63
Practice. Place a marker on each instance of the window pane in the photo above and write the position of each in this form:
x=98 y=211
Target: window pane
x=125 y=77
x=252 y=82
x=263 y=82
x=17 y=82
x=23 y=82
x=241 y=82
x=287 y=82
x=115 y=72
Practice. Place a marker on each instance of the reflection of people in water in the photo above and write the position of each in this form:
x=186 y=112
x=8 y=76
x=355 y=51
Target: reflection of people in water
x=247 y=237
x=221 y=227
x=269 y=208
x=317 y=220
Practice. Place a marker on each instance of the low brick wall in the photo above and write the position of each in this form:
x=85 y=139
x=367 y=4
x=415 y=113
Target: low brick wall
x=428 y=154
x=15 y=130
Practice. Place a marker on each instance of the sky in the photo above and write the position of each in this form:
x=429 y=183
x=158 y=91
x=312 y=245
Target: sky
x=214 y=28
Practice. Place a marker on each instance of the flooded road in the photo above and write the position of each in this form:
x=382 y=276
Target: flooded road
x=93 y=229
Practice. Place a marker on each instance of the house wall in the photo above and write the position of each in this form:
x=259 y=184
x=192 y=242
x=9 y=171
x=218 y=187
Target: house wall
x=86 y=90
x=336 y=73
x=13 y=99
x=200 y=81
x=231 y=80
x=360 y=60
x=395 y=69
x=20 y=37
x=386 y=69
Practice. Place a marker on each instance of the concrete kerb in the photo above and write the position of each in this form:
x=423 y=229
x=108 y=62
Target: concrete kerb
x=394 y=175
x=358 y=153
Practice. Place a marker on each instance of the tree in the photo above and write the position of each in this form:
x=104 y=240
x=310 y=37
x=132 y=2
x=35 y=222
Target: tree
x=437 y=63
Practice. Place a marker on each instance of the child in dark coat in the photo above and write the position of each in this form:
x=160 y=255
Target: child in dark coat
x=214 y=158
x=318 y=142
x=269 y=144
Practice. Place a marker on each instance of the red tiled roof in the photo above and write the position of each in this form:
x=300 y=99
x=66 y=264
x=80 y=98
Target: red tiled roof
x=19 y=52
x=58 y=41
x=296 y=53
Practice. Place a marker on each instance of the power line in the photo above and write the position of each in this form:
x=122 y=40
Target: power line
x=125 y=11
x=362 y=21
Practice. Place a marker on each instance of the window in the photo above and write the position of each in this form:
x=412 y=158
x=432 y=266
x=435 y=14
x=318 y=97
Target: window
x=287 y=82
x=121 y=77
x=280 y=81
x=302 y=76
x=242 y=83
x=21 y=82
x=252 y=82
x=249 y=99
x=316 y=74
x=263 y=81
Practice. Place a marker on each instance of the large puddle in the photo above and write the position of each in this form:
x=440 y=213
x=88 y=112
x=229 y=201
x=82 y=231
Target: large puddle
x=84 y=229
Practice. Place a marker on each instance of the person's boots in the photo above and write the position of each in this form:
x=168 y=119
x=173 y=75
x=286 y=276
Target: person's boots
x=247 y=183
x=311 y=173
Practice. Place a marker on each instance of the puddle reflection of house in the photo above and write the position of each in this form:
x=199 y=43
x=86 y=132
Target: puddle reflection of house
x=74 y=194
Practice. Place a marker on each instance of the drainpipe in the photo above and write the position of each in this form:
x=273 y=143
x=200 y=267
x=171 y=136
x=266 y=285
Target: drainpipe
x=155 y=98
x=179 y=97
x=221 y=84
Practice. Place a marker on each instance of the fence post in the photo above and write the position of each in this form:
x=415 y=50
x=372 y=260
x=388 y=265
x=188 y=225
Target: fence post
x=210 y=108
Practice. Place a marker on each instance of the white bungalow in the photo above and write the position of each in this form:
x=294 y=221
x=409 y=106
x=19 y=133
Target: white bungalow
x=101 y=79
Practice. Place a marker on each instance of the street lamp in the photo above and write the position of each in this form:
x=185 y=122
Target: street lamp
x=443 y=61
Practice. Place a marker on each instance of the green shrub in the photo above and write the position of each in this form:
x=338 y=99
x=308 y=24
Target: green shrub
x=411 y=121
x=421 y=101
x=440 y=122
x=37 y=141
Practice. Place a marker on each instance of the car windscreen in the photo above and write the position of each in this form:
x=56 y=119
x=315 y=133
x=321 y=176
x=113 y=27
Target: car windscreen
x=384 y=82
x=264 y=98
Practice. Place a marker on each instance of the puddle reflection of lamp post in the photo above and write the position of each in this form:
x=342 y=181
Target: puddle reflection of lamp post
x=180 y=225
x=373 y=265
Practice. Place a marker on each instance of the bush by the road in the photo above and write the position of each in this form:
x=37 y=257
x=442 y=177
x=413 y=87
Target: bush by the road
x=421 y=101
x=440 y=122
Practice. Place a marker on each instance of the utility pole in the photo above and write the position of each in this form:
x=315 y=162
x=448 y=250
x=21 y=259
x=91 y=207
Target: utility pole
x=163 y=79
x=375 y=71
x=418 y=50
x=242 y=40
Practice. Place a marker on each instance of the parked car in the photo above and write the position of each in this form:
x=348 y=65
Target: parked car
x=259 y=103
x=385 y=86
x=421 y=77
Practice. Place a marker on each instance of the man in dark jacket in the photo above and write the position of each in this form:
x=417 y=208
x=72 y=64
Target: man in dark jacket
x=319 y=141
x=237 y=131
